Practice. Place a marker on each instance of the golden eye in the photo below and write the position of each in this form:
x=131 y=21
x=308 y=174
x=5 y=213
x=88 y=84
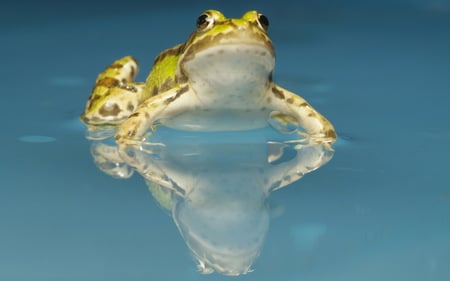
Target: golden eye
x=263 y=22
x=205 y=21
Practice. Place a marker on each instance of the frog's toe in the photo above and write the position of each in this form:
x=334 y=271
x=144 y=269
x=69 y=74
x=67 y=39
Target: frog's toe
x=129 y=130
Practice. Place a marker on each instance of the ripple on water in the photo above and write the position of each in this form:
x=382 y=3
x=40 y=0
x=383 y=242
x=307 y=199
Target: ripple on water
x=70 y=81
x=37 y=139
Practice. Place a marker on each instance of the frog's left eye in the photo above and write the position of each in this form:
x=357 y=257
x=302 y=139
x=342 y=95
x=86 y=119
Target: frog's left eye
x=205 y=21
x=263 y=22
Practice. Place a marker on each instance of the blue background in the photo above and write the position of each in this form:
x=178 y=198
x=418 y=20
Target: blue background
x=380 y=71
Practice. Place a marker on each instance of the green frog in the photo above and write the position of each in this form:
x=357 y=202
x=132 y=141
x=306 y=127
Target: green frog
x=219 y=79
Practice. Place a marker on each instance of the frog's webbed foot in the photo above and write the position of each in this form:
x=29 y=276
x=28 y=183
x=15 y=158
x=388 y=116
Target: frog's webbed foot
x=115 y=94
x=166 y=104
x=292 y=110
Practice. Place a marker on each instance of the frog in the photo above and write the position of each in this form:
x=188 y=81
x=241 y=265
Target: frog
x=220 y=79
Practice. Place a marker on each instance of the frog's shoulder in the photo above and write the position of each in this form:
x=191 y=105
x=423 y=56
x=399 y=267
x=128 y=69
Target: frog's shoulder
x=169 y=54
x=162 y=75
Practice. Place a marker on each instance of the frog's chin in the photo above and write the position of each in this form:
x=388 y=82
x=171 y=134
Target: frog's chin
x=230 y=63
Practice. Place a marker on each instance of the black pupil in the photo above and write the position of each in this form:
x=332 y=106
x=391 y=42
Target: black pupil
x=201 y=20
x=264 y=21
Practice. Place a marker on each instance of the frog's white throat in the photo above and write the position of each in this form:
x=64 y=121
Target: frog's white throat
x=233 y=74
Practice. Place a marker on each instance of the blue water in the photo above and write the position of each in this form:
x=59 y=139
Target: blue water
x=378 y=210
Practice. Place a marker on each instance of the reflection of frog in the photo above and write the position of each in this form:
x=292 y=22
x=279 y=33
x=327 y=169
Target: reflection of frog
x=217 y=193
x=219 y=79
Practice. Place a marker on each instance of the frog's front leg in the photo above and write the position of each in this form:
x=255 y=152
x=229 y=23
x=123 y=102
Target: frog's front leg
x=166 y=104
x=315 y=124
x=115 y=95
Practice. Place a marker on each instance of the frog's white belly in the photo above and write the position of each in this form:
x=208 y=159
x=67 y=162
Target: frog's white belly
x=229 y=85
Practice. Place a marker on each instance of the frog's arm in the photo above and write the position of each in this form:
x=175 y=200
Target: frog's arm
x=166 y=104
x=292 y=105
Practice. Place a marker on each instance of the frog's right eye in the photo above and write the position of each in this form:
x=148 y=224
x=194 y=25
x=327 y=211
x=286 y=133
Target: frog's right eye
x=205 y=21
x=263 y=22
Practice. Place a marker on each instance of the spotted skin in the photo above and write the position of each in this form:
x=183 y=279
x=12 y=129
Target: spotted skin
x=225 y=66
x=115 y=95
x=307 y=117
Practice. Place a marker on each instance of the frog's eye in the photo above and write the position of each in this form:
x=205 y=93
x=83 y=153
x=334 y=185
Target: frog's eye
x=205 y=21
x=263 y=22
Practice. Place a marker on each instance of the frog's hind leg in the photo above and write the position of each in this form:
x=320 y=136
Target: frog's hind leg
x=115 y=95
x=166 y=104
x=318 y=128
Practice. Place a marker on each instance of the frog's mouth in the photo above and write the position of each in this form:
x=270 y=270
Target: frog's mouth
x=239 y=52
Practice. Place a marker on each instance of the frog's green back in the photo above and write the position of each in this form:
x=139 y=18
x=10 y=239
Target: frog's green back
x=162 y=76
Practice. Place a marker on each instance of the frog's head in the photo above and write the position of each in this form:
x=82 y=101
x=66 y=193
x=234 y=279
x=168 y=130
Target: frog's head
x=228 y=51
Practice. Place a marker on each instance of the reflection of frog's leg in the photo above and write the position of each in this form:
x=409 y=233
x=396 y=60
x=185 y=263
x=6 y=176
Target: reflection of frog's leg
x=107 y=159
x=313 y=122
x=115 y=95
x=166 y=104
x=307 y=159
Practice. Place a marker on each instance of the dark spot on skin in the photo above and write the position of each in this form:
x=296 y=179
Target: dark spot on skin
x=116 y=65
x=132 y=133
x=233 y=24
x=182 y=79
x=303 y=104
x=183 y=90
x=107 y=82
x=136 y=114
x=92 y=100
x=169 y=52
x=133 y=71
x=331 y=134
x=130 y=106
x=166 y=85
x=113 y=110
x=311 y=114
x=154 y=91
x=278 y=93
x=290 y=100
x=177 y=95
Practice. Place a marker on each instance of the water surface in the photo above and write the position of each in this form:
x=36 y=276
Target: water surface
x=379 y=210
